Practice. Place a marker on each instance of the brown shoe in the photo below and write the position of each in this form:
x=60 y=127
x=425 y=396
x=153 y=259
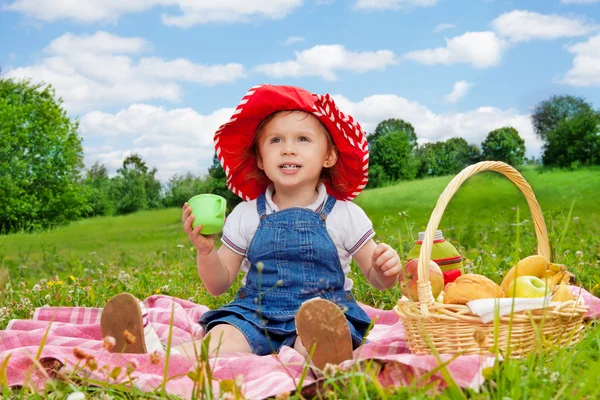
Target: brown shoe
x=321 y=323
x=121 y=318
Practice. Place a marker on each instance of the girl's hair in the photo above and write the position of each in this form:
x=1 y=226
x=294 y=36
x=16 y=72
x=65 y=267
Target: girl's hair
x=330 y=174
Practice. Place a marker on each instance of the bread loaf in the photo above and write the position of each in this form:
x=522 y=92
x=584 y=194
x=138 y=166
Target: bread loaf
x=471 y=287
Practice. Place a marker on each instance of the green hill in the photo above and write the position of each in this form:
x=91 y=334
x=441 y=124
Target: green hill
x=481 y=220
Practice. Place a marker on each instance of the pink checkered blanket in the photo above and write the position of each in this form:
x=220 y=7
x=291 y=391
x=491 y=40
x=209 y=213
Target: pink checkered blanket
x=68 y=328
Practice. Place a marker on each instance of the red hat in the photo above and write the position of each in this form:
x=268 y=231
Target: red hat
x=234 y=138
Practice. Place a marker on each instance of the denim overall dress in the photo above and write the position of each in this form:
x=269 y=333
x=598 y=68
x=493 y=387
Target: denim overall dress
x=293 y=259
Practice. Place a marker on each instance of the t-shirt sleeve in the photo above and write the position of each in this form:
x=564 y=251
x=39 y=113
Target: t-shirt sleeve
x=234 y=235
x=359 y=228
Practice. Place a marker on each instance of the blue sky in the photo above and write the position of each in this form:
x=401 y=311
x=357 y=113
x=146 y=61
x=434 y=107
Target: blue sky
x=157 y=77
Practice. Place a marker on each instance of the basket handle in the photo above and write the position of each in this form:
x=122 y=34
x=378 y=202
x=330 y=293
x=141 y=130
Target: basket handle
x=424 y=287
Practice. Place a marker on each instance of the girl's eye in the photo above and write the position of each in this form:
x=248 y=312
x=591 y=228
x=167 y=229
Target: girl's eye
x=304 y=139
x=275 y=140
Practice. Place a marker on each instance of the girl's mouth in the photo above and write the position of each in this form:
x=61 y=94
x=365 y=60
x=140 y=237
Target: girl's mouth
x=290 y=169
x=290 y=166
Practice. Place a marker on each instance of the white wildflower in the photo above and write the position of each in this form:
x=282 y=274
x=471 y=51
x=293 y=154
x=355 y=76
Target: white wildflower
x=124 y=277
x=579 y=254
x=36 y=288
x=239 y=380
x=330 y=370
x=76 y=396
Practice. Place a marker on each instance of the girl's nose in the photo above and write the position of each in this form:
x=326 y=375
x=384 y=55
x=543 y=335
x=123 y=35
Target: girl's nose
x=288 y=150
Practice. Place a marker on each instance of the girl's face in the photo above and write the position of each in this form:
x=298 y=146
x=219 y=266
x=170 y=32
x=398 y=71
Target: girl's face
x=293 y=150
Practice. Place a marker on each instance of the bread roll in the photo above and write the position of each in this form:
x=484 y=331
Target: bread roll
x=471 y=287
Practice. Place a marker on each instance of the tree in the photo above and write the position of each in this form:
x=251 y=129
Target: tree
x=135 y=187
x=393 y=152
x=377 y=176
x=458 y=154
x=181 y=188
x=574 y=141
x=428 y=155
x=394 y=125
x=218 y=184
x=40 y=158
x=504 y=144
x=98 y=187
x=446 y=158
x=549 y=113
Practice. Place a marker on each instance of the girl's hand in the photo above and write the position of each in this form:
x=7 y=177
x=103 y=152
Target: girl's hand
x=386 y=260
x=204 y=244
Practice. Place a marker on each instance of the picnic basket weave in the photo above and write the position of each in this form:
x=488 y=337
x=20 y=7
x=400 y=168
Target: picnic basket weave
x=454 y=329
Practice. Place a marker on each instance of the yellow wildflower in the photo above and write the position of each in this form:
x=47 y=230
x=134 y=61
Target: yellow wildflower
x=157 y=291
x=73 y=278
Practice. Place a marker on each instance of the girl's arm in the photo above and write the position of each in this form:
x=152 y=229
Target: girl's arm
x=379 y=263
x=218 y=269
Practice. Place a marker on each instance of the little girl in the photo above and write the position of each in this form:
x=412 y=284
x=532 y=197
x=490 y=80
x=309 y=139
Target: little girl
x=298 y=162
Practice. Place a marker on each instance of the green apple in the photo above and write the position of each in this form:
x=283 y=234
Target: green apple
x=527 y=286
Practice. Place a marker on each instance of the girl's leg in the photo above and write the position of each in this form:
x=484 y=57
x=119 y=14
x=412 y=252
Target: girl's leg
x=224 y=339
x=124 y=319
x=323 y=326
x=299 y=347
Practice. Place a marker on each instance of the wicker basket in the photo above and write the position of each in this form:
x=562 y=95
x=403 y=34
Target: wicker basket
x=454 y=329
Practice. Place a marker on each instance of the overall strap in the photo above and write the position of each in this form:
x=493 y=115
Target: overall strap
x=328 y=205
x=261 y=206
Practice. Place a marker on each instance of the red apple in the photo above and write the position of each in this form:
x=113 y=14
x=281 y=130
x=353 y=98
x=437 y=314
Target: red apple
x=410 y=274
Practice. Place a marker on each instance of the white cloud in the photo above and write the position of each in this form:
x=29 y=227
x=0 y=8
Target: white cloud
x=179 y=140
x=443 y=27
x=393 y=4
x=100 y=42
x=293 y=39
x=579 y=1
x=202 y=11
x=586 y=64
x=174 y=141
x=460 y=89
x=481 y=49
x=192 y=11
x=325 y=60
x=473 y=125
x=87 y=73
x=520 y=26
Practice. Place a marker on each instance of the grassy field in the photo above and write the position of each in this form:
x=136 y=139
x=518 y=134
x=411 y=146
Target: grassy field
x=488 y=220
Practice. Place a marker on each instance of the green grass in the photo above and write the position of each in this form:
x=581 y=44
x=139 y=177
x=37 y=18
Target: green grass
x=89 y=261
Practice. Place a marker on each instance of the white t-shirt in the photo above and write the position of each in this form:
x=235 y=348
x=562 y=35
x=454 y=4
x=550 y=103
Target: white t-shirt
x=347 y=225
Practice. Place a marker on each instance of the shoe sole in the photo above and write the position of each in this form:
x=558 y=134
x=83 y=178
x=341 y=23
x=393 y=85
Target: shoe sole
x=321 y=323
x=122 y=313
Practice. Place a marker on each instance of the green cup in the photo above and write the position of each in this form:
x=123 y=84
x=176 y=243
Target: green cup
x=209 y=211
